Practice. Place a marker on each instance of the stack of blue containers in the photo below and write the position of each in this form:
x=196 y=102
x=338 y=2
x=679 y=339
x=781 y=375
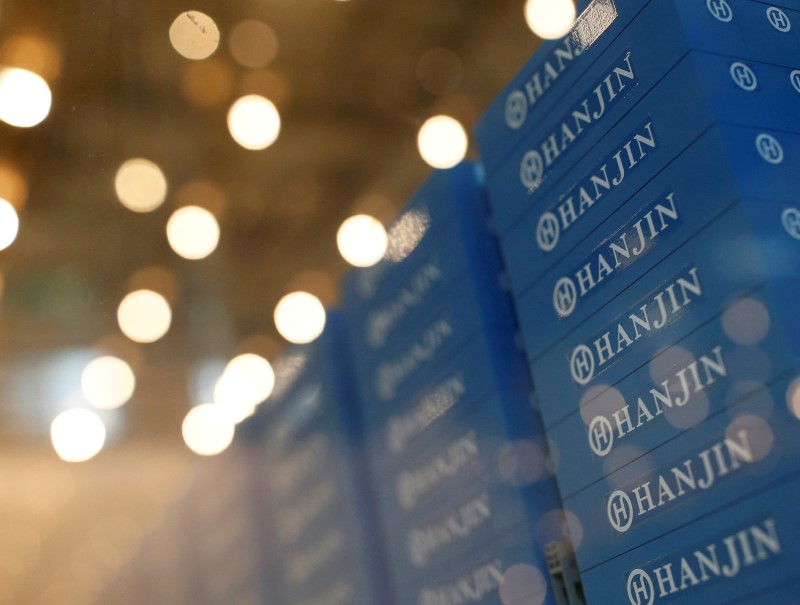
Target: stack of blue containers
x=468 y=506
x=643 y=175
x=322 y=545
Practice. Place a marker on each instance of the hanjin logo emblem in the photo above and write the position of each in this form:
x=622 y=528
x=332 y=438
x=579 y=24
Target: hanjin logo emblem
x=744 y=77
x=601 y=436
x=720 y=10
x=565 y=296
x=547 y=232
x=620 y=511
x=581 y=364
x=531 y=169
x=769 y=148
x=640 y=588
x=794 y=78
x=791 y=222
x=778 y=19
x=516 y=109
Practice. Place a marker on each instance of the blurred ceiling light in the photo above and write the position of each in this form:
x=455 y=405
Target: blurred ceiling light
x=9 y=224
x=440 y=71
x=194 y=35
x=208 y=83
x=253 y=43
x=550 y=19
x=144 y=316
x=32 y=52
x=442 y=141
x=107 y=382
x=77 y=435
x=248 y=380
x=208 y=429
x=300 y=317
x=362 y=240
x=193 y=232
x=254 y=122
x=140 y=185
x=25 y=97
x=12 y=185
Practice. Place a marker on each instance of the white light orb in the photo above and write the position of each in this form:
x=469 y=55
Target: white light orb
x=362 y=240
x=77 y=435
x=193 y=232
x=9 y=224
x=208 y=429
x=248 y=380
x=25 y=97
x=107 y=382
x=442 y=141
x=550 y=19
x=300 y=317
x=254 y=122
x=144 y=316
x=194 y=35
x=140 y=185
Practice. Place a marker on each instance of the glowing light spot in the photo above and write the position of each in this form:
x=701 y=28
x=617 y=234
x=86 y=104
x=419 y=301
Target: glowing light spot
x=140 y=185
x=194 y=35
x=77 y=435
x=362 y=240
x=523 y=585
x=687 y=416
x=550 y=19
x=253 y=43
x=9 y=224
x=300 y=317
x=208 y=429
x=746 y=322
x=759 y=434
x=600 y=400
x=248 y=380
x=144 y=316
x=12 y=185
x=442 y=141
x=25 y=97
x=107 y=382
x=793 y=397
x=193 y=232
x=254 y=122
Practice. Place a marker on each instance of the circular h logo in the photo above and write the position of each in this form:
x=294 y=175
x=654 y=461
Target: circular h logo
x=581 y=364
x=547 y=232
x=620 y=511
x=794 y=78
x=769 y=148
x=791 y=222
x=531 y=169
x=640 y=588
x=516 y=109
x=565 y=297
x=778 y=19
x=720 y=10
x=744 y=77
x=601 y=436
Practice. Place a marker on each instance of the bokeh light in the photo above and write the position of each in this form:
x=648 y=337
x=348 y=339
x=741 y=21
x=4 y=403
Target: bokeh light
x=254 y=122
x=194 y=35
x=440 y=71
x=193 y=232
x=208 y=429
x=140 y=185
x=248 y=380
x=300 y=317
x=253 y=43
x=442 y=141
x=208 y=83
x=25 y=97
x=13 y=186
x=107 y=382
x=77 y=435
x=362 y=240
x=144 y=316
x=550 y=19
x=9 y=224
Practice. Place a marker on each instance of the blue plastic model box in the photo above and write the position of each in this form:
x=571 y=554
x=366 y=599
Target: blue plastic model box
x=629 y=68
x=738 y=552
x=727 y=458
x=753 y=243
x=704 y=374
x=669 y=134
